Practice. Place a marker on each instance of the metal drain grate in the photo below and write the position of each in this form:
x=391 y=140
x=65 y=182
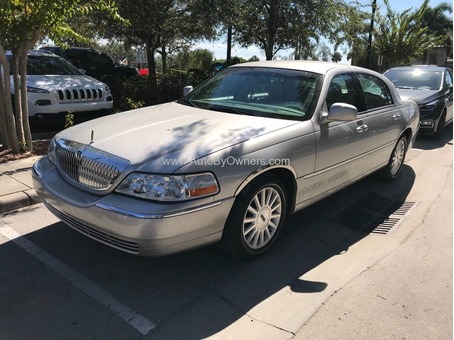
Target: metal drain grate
x=377 y=214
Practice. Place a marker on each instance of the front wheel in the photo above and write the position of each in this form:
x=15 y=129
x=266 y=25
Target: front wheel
x=256 y=218
x=392 y=170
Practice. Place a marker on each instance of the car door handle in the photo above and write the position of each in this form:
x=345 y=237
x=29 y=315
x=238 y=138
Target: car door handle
x=396 y=117
x=361 y=128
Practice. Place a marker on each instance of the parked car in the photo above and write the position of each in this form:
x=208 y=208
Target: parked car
x=55 y=87
x=95 y=63
x=229 y=161
x=431 y=88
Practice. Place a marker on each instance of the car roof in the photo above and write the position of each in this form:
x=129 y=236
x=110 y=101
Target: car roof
x=430 y=68
x=321 y=67
x=36 y=53
x=90 y=49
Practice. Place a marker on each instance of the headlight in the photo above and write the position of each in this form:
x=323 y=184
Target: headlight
x=429 y=106
x=36 y=90
x=107 y=88
x=51 y=151
x=169 y=188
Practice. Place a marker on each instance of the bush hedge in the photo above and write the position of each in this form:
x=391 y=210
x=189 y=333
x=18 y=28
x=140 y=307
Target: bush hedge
x=133 y=92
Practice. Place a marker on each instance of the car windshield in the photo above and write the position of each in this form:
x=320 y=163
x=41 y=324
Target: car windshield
x=264 y=92
x=415 y=79
x=48 y=65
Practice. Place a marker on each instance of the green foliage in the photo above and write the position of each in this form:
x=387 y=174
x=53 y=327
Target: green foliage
x=134 y=104
x=69 y=119
x=280 y=24
x=197 y=59
x=23 y=146
x=117 y=50
x=401 y=37
x=439 y=23
x=130 y=93
x=336 y=57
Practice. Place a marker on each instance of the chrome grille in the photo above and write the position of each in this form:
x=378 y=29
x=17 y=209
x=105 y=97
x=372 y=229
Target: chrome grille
x=79 y=95
x=88 y=166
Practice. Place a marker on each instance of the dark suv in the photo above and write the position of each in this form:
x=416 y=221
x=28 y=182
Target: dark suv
x=95 y=63
x=431 y=88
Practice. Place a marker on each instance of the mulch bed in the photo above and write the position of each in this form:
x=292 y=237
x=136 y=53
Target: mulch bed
x=39 y=149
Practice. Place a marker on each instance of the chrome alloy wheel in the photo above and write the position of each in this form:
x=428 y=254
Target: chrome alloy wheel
x=398 y=157
x=262 y=218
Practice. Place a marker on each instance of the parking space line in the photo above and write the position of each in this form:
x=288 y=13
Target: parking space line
x=139 y=322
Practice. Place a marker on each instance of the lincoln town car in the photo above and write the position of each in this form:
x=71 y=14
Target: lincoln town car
x=230 y=160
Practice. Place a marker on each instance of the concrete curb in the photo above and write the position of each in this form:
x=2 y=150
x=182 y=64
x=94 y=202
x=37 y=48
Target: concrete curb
x=18 y=200
x=16 y=186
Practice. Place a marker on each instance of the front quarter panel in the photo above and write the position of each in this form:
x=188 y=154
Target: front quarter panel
x=410 y=112
x=292 y=149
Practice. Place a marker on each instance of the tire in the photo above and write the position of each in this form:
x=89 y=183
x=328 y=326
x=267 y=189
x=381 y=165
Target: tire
x=256 y=218
x=392 y=170
x=440 y=126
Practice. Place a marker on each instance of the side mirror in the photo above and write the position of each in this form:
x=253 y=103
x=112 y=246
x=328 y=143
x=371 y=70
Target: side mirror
x=187 y=90
x=340 y=112
x=81 y=70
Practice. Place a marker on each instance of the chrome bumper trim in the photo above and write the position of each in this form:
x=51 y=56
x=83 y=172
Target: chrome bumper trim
x=155 y=216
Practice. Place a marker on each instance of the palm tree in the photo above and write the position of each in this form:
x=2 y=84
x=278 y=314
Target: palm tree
x=439 y=23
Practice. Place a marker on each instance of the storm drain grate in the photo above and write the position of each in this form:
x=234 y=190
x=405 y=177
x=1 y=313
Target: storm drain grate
x=377 y=214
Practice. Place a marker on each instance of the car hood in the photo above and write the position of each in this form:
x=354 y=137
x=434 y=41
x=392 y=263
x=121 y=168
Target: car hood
x=56 y=82
x=419 y=96
x=154 y=135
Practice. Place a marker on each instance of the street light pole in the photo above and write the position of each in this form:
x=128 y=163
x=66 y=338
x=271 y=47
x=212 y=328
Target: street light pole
x=371 y=29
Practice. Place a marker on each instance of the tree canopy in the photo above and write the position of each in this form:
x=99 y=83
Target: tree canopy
x=402 y=37
x=281 y=24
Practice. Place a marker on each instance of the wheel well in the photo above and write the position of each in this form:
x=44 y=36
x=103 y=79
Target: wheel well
x=407 y=133
x=288 y=178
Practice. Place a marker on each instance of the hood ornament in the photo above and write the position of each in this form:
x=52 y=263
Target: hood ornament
x=92 y=136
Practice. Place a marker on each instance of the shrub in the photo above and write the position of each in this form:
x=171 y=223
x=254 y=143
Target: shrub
x=129 y=90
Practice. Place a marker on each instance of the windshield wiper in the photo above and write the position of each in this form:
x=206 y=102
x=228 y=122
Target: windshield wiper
x=228 y=109
x=405 y=87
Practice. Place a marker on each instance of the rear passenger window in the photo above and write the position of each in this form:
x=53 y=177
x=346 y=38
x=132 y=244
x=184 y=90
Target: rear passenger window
x=375 y=91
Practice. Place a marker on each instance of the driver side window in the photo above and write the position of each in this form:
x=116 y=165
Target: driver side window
x=448 y=79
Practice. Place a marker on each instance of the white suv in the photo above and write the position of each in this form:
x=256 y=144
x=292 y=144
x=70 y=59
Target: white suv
x=55 y=87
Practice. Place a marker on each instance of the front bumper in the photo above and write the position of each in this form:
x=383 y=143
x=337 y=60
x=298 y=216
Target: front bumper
x=428 y=121
x=53 y=107
x=128 y=224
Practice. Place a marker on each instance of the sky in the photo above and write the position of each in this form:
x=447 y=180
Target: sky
x=218 y=47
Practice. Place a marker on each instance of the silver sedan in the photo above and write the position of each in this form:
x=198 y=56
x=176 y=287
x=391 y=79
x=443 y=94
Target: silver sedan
x=229 y=161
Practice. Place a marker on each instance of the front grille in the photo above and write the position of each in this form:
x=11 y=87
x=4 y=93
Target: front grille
x=79 y=95
x=88 y=166
x=127 y=246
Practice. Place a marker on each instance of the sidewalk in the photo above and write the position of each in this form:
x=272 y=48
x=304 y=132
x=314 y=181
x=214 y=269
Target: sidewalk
x=16 y=188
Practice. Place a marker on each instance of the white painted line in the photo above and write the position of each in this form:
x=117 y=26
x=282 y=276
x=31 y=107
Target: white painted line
x=139 y=322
